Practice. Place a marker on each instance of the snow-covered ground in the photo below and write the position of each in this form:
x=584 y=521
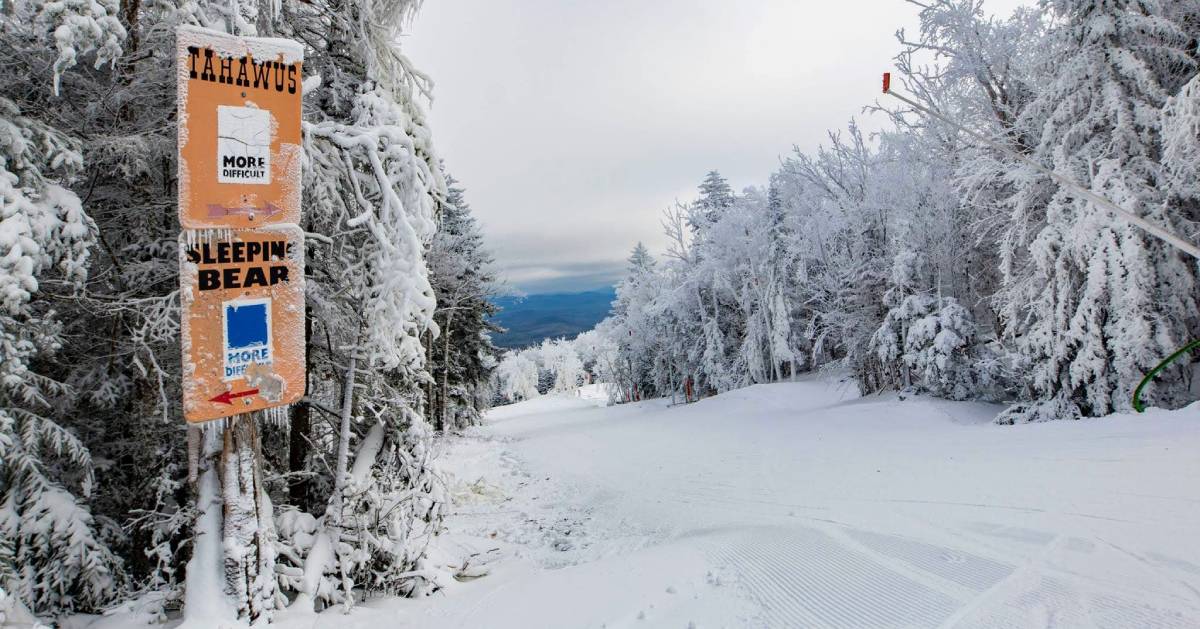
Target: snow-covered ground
x=796 y=505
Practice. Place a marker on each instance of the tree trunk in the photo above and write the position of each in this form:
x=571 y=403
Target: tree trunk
x=430 y=402
x=444 y=413
x=299 y=485
x=129 y=19
x=205 y=603
x=249 y=527
x=325 y=546
x=343 y=455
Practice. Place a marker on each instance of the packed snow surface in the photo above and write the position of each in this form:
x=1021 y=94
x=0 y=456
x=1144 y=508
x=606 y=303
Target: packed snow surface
x=801 y=505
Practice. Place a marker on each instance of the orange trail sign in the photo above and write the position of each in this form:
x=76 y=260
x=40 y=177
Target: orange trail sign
x=241 y=253
x=239 y=130
x=243 y=320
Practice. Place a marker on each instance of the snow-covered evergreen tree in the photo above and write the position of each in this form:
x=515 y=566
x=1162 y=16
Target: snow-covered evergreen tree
x=55 y=557
x=931 y=338
x=1100 y=302
x=464 y=283
x=516 y=377
x=635 y=337
x=715 y=196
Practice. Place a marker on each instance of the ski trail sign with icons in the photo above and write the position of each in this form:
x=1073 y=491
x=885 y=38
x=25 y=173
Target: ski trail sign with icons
x=243 y=320
x=239 y=129
x=241 y=254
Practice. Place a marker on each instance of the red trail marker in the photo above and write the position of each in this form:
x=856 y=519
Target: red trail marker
x=227 y=397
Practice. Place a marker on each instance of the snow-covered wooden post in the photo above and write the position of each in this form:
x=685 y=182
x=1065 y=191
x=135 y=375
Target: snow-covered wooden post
x=234 y=527
x=206 y=601
x=249 y=527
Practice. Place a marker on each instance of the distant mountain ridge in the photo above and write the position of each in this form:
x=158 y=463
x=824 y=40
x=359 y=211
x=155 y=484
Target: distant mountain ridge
x=530 y=319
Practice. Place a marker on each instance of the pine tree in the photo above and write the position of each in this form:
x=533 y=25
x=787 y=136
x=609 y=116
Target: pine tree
x=636 y=340
x=464 y=283
x=640 y=262
x=54 y=559
x=1101 y=302
x=715 y=196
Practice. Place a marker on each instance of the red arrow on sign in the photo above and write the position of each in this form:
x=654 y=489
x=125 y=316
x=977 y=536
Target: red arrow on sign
x=226 y=397
x=215 y=210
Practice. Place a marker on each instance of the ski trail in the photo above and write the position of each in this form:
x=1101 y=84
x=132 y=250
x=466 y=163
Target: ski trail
x=1047 y=601
x=968 y=570
x=801 y=577
x=1050 y=591
x=761 y=509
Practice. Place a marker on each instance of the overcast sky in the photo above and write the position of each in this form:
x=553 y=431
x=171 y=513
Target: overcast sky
x=574 y=124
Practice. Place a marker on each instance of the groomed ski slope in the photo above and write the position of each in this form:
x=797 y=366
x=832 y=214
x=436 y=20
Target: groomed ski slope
x=797 y=505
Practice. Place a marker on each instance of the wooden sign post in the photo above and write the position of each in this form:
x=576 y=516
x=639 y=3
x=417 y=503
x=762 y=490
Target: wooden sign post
x=241 y=279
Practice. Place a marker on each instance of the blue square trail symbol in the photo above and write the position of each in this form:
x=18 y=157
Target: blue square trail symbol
x=247 y=336
x=246 y=325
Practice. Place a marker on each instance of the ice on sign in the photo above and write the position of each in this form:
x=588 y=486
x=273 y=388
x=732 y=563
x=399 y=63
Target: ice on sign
x=247 y=335
x=243 y=145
